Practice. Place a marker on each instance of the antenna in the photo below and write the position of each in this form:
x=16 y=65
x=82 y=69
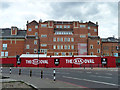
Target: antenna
x=40 y=20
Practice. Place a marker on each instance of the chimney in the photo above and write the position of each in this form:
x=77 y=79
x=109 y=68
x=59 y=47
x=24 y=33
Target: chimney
x=96 y=23
x=14 y=30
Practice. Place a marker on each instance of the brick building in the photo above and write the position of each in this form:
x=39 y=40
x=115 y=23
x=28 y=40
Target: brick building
x=12 y=41
x=53 y=38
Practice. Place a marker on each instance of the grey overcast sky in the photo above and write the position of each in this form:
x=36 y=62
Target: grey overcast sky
x=17 y=12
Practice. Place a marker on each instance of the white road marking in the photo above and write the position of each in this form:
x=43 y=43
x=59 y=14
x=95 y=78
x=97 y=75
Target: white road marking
x=88 y=72
x=100 y=76
x=92 y=81
x=108 y=73
x=62 y=73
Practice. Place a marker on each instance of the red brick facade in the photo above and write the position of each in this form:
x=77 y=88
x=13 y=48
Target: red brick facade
x=57 y=38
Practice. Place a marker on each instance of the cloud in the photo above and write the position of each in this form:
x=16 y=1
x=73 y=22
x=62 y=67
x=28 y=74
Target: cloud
x=18 y=12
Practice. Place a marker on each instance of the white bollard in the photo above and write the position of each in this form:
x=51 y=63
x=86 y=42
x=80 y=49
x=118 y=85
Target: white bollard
x=54 y=74
x=10 y=70
x=1 y=70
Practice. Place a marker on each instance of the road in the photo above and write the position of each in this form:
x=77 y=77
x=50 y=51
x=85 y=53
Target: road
x=86 y=78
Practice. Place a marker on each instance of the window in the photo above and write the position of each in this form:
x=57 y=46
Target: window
x=35 y=42
x=35 y=50
x=68 y=39
x=72 y=47
x=70 y=53
x=68 y=26
x=88 y=27
x=43 y=35
x=98 y=50
x=43 y=45
x=72 y=39
x=56 y=53
x=98 y=42
x=2 y=53
x=29 y=29
x=54 y=39
x=58 y=39
x=43 y=51
x=57 y=26
x=65 y=39
x=27 y=46
x=61 y=39
x=6 y=53
x=60 y=26
x=63 y=54
x=36 y=26
x=95 y=30
x=91 y=46
x=68 y=46
x=65 y=26
x=54 y=47
x=36 y=33
x=89 y=34
x=58 y=47
x=82 y=36
x=4 y=46
x=27 y=52
x=61 y=46
x=65 y=46
x=82 y=26
x=91 y=53
x=43 y=25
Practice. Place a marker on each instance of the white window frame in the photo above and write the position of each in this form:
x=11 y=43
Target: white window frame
x=36 y=26
x=88 y=27
x=61 y=46
x=68 y=46
x=98 y=50
x=60 y=26
x=29 y=29
x=58 y=46
x=36 y=33
x=27 y=52
x=91 y=53
x=82 y=26
x=72 y=46
x=63 y=53
x=65 y=47
x=82 y=36
x=56 y=53
x=54 y=39
x=43 y=25
x=91 y=46
x=95 y=30
x=6 y=54
x=54 y=46
x=43 y=45
x=27 y=46
x=72 y=39
x=65 y=26
x=68 y=26
x=4 y=46
x=35 y=42
x=68 y=39
x=98 y=42
x=57 y=26
x=43 y=36
x=2 y=54
x=35 y=50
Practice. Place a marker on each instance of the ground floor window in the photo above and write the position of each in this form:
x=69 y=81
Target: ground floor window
x=43 y=51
